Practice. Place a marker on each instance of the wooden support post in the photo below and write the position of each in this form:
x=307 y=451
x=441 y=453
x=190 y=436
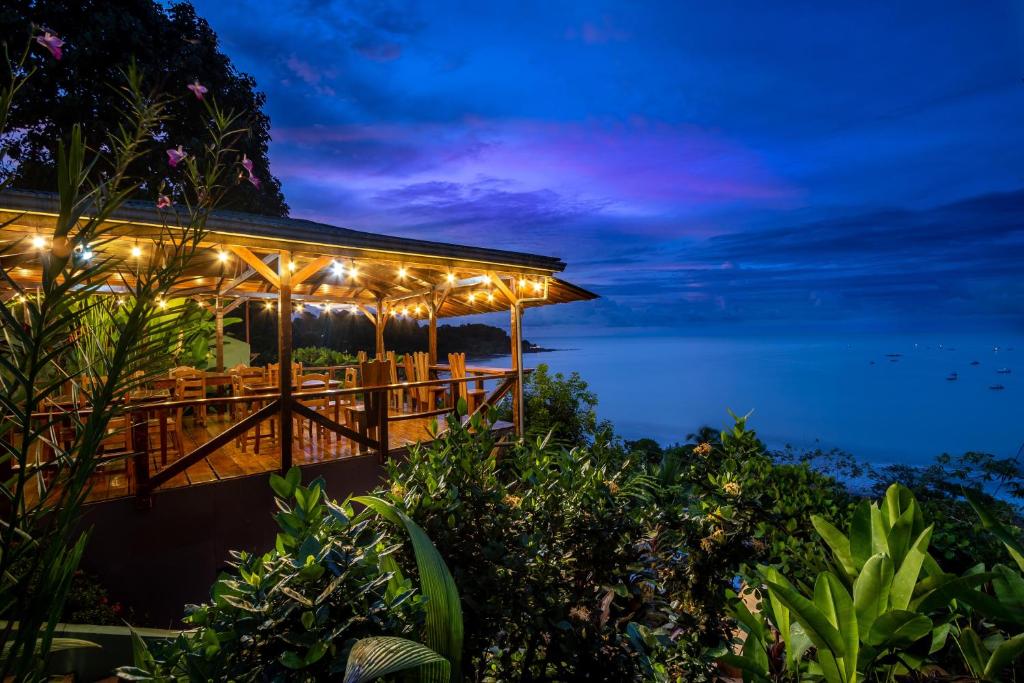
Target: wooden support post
x=139 y=422
x=382 y=424
x=518 y=419
x=380 y=321
x=219 y=340
x=284 y=356
x=432 y=332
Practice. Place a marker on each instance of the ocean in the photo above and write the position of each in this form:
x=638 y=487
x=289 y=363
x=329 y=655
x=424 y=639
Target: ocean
x=884 y=399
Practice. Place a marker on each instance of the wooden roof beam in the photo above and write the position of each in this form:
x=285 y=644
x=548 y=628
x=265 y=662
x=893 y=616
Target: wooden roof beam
x=268 y=259
x=256 y=264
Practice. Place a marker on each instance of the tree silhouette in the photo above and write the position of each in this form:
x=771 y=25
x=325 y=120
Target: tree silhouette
x=172 y=47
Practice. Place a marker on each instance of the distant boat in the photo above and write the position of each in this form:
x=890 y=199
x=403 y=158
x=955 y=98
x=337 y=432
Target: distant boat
x=974 y=362
x=893 y=355
x=1003 y=371
x=952 y=377
x=894 y=360
x=997 y=387
x=871 y=363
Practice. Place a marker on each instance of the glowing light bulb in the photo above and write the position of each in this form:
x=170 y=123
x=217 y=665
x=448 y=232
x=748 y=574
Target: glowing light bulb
x=490 y=297
x=394 y=313
x=291 y=266
x=450 y=277
x=353 y=272
x=537 y=287
x=86 y=254
x=39 y=242
x=222 y=256
x=162 y=303
x=522 y=283
x=136 y=251
x=402 y=273
x=338 y=269
x=269 y=305
x=471 y=297
x=417 y=310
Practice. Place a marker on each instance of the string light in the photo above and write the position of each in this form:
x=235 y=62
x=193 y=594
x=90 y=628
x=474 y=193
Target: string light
x=522 y=283
x=490 y=297
x=417 y=310
x=472 y=297
x=222 y=256
x=353 y=272
x=394 y=313
x=136 y=251
x=338 y=268
x=39 y=242
x=450 y=277
x=402 y=273
x=269 y=305
x=537 y=287
x=291 y=266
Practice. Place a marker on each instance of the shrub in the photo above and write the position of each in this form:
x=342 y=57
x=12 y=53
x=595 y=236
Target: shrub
x=327 y=600
x=319 y=356
x=556 y=555
x=561 y=406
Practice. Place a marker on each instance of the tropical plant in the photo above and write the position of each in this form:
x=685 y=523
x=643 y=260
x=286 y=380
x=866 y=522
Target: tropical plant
x=329 y=600
x=47 y=347
x=885 y=610
x=560 y=556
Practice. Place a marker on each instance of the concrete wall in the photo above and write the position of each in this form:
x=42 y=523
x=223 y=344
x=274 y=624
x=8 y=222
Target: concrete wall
x=159 y=559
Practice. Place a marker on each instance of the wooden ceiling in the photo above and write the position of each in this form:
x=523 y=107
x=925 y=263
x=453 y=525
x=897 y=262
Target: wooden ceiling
x=238 y=258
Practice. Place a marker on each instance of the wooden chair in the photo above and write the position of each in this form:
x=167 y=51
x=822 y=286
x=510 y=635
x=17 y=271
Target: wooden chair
x=189 y=387
x=313 y=382
x=172 y=430
x=364 y=417
x=426 y=397
x=274 y=372
x=474 y=395
x=396 y=396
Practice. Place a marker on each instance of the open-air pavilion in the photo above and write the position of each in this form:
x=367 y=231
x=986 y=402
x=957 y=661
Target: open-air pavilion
x=287 y=265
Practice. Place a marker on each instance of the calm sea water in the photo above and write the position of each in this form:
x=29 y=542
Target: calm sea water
x=844 y=393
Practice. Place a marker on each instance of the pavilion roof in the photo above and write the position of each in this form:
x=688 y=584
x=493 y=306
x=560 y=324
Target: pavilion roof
x=402 y=272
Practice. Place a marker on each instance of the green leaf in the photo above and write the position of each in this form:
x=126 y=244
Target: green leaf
x=444 y=612
x=899 y=629
x=871 y=591
x=838 y=542
x=989 y=521
x=831 y=597
x=371 y=658
x=906 y=576
x=860 y=534
x=819 y=629
x=1009 y=650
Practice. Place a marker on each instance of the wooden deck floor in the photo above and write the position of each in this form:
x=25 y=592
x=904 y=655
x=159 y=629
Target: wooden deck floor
x=116 y=480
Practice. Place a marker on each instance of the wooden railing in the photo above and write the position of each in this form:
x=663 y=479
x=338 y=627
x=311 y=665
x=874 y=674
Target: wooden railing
x=372 y=439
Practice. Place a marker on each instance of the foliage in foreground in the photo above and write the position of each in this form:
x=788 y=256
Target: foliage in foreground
x=327 y=601
x=886 y=610
x=61 y=336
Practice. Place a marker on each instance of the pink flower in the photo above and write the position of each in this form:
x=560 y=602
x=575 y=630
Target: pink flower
x=51 y=43
x=255 y=181
x=198 y=89
x=247 y=164
x=163 y=201
x=175 y=156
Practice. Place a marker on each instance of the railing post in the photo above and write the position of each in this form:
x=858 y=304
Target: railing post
x=140 y=444
x=518 y=419
x=284 y=356
x=382 y=425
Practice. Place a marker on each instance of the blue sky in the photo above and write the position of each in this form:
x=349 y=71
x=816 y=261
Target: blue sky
x=722 y=165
